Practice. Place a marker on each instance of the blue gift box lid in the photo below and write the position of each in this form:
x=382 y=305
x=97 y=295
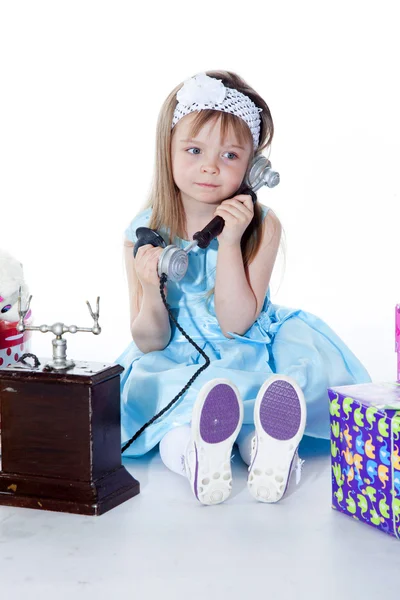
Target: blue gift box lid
x=381 y=395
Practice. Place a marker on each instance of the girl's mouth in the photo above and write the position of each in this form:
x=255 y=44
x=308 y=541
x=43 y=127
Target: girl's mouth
x=207 y=185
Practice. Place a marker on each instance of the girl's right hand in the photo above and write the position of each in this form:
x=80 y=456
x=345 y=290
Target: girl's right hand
x=146 y=262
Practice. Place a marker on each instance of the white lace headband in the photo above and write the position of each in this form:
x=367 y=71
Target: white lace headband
x=204 y=92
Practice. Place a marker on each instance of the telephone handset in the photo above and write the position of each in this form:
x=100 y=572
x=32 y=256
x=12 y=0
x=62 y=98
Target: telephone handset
x=216 y=225
x=174 y=261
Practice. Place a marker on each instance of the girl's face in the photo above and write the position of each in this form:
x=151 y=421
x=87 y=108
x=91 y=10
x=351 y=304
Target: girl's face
x=206 y=160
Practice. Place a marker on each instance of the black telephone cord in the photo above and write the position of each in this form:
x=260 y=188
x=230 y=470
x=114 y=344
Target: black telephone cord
x=163 y=279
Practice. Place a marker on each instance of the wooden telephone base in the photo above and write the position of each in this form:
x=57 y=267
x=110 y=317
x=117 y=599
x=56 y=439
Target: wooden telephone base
x=61 y=439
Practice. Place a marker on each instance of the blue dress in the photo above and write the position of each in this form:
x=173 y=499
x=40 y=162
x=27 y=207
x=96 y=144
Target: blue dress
x=282 y=340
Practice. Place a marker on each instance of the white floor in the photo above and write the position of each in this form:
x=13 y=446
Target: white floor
x=164 y=544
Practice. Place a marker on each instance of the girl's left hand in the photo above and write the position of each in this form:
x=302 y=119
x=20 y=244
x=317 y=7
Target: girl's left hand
x=237 y=213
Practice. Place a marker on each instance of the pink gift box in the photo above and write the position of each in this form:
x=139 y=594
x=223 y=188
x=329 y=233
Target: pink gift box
x=397 y=339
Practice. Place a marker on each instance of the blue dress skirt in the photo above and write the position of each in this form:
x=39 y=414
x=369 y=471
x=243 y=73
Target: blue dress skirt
x=282 y=340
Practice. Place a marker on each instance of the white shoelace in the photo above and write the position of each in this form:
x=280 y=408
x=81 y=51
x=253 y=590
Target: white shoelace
x=298 y=469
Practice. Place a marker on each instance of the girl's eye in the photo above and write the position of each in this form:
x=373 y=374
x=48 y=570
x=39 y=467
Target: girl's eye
x=6 y=308
x=231 y=153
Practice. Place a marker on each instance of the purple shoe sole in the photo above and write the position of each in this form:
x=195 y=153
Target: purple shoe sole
x=280 y=411
x=220 y=414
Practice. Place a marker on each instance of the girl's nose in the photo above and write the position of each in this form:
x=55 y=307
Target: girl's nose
x=210 y=168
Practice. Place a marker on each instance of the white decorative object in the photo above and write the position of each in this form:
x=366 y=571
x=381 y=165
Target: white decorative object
x=202 y=90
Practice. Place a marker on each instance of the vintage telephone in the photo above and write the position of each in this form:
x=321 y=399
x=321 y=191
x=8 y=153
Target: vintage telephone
x=173 y=261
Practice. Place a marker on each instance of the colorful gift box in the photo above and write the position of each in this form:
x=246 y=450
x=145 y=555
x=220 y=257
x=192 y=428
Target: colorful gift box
x=365 y=448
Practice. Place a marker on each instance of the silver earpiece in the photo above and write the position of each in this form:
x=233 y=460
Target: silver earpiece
x=261 y=173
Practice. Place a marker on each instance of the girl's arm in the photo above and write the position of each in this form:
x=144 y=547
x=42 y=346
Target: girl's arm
x=150 y=326
x=239 y=297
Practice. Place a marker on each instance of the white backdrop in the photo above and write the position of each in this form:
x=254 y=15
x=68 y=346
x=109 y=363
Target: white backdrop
x=81 y=86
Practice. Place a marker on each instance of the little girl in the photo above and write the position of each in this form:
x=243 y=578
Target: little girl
x=269 y=365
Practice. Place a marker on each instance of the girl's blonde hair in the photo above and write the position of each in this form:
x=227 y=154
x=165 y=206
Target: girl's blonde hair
x=164 y=196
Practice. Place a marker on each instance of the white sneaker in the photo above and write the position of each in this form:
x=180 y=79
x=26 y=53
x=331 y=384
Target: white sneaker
x=216 y=421
x=279 y=419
